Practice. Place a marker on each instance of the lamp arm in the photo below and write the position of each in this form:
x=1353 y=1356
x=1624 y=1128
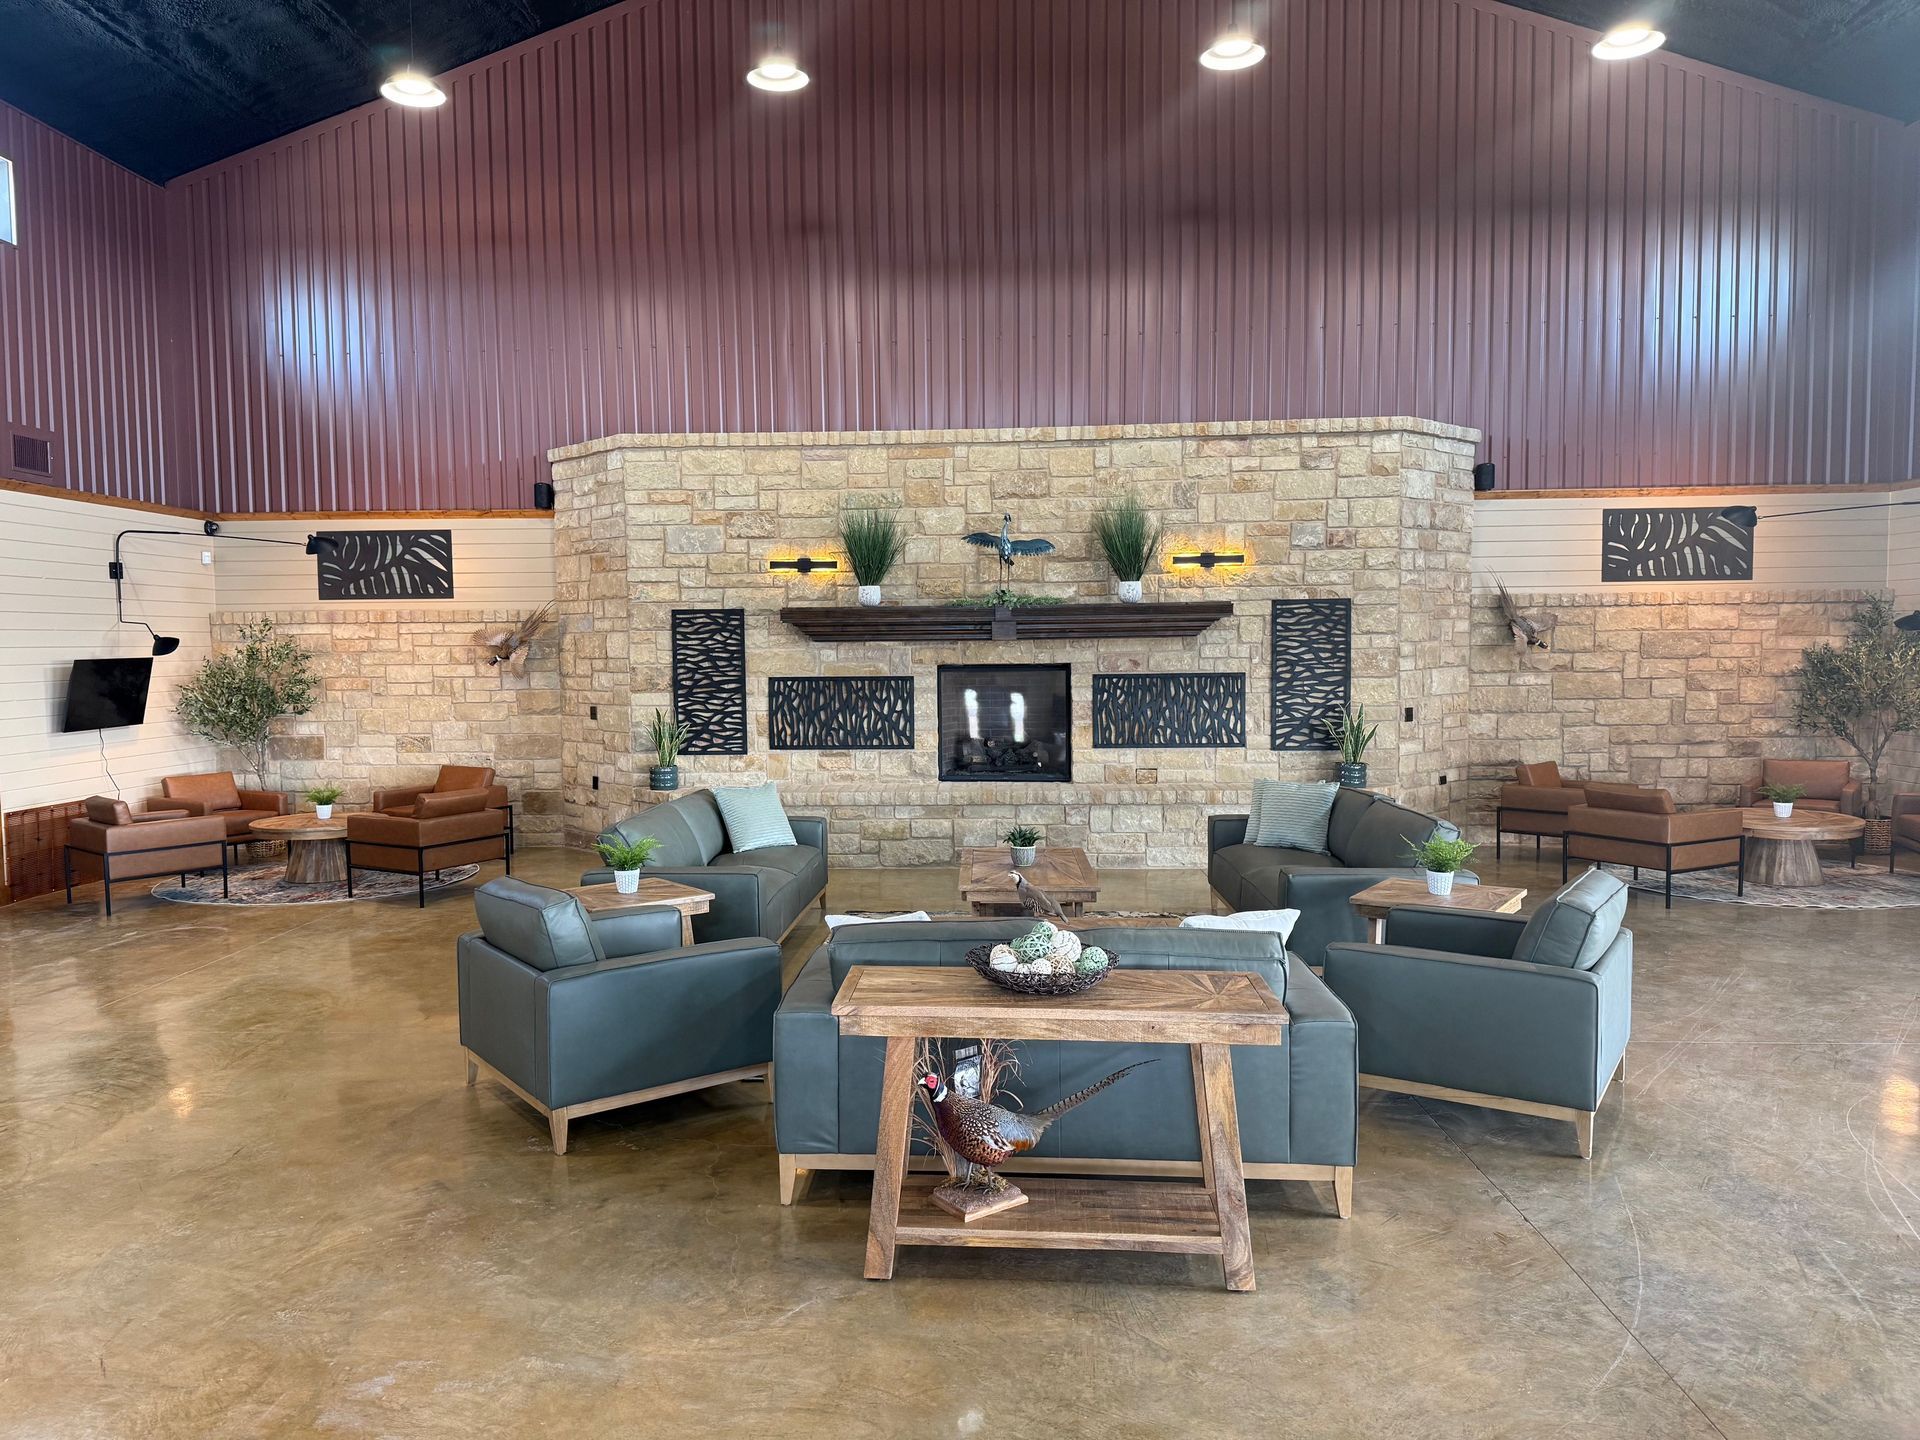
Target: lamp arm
x=1836 y=510
x=118 y=571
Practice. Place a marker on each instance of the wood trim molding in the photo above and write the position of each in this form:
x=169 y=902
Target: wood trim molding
x=235 y=517
x=61 y=492
x=1885 y=487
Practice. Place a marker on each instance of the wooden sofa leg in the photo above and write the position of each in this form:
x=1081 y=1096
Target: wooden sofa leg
x=557 y=1128
x=1583 y=1134
x=1343 y=1191
x=1620 y=1071
x=793 y=1180
x=473 y=1070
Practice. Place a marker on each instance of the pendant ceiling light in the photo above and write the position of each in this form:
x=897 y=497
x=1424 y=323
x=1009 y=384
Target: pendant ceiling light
x=1233 y=52
x=1628 y=41
x=779 y=74
x=414 y=90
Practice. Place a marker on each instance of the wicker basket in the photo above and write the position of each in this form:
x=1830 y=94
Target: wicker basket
x=979 y=957
x=1879 y=837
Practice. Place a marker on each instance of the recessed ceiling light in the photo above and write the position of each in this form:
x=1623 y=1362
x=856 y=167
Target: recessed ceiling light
x=1624 y=42
x=1232 y=52
x=411 y=88
x=777 y=73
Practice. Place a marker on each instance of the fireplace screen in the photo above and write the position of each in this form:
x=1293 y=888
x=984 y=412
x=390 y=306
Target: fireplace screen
x=1006 y=722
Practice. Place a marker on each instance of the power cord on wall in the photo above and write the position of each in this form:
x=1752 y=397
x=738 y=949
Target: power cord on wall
x=106 y=767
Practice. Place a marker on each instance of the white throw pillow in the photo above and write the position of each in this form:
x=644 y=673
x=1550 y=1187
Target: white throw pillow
x=834 y=922
x=1280 y=922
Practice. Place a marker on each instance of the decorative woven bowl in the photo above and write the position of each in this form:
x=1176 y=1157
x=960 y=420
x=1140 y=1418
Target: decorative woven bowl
x=979 y=958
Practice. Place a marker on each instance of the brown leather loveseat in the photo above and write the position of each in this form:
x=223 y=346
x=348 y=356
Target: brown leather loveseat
x=112 y=843
x=441 y=831
x=216 y=794
x=1641 y=827
x=1535 y=802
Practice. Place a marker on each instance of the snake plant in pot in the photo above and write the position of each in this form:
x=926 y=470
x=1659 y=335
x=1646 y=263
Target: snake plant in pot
x=626 y=858
x=668 y=738
x=1440 y=857
x=1352 y=734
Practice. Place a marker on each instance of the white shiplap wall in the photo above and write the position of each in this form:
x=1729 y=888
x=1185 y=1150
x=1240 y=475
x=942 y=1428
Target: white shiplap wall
x=497 y=564
x=1903 y=578
x=58 y=604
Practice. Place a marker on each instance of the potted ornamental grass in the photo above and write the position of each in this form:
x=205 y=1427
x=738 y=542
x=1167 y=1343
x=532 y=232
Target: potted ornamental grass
x=1024 y=841
x=668 y=738
x=874 y=540
x=1783 y=797
x=626 y=858
x=323 y=798
x=1441 y=858
x=1128 y=536
x=1351 y=735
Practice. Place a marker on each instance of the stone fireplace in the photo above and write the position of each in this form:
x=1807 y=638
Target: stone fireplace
x=1373 y=511
x=1006 y=722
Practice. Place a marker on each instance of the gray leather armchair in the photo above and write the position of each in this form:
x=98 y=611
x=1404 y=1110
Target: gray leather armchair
x=1531 y=1016
x=576 y=1015
x=757 y=892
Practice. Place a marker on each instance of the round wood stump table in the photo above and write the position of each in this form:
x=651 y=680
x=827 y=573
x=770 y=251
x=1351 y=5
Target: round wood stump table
x=1780 y=849
x=315 y=855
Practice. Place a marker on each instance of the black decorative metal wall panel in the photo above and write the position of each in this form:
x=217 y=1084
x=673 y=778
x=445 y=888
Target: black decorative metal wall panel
x=1687 y=544
x=710 y=680
x=1172 y=712
x=1312 y=652
x=387 y=565
x=835 y=712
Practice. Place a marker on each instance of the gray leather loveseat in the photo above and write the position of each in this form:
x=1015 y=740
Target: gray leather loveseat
x=760 y=892
x=1367 y=839
x=1296 y=1100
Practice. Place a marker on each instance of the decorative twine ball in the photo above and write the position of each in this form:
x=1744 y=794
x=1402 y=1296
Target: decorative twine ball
x=1066 y=946
x=1092 y=958
x=1003 y=958
x=1036 y=944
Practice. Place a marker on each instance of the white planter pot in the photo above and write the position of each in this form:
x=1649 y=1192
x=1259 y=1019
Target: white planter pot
x=1128 y=591
x=324 y=812
x=869 y=594
x=1783 y=809
x=1439 y=882
x=1023 y=854
x=627 y=882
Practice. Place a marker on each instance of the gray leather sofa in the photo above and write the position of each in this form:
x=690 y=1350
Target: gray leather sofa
x=760 y=892
x=1296 y=1100
x=1367 y=838
x=578 y=1015
x=1526 y=1015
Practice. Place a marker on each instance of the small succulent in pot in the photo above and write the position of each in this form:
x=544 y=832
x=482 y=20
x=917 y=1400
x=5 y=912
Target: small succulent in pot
x=668 y=738
x=1783 y=797
x=1351 y=732
x=1441 y=856
x=1024 y=841
x=874 y=540
x=323 y=798
x=626 y=858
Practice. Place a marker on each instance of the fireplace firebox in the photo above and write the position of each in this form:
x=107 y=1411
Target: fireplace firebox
x=1006 y=722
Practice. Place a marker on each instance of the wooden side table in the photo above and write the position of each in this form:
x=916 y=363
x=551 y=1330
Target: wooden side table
x=606 y=899
x=1063 y=871
x=1206 y=1010
x=1779 y=849
x=1375 y=901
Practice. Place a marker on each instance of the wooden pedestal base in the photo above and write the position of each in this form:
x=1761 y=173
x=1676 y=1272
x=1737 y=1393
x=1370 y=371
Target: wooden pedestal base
x=315 y=862
x=1787 y=863
x=973 y=1204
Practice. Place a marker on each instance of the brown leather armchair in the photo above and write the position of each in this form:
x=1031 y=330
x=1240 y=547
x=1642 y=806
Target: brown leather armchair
x=113 y=843
x=399 y=799
x=1906 y=827
x=1535 y=802
x=458 y=828
x=1631 y=825
x=1829 y=784
x=216 y=794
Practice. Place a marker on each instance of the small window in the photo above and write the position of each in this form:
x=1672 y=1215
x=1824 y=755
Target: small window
x=9 y=231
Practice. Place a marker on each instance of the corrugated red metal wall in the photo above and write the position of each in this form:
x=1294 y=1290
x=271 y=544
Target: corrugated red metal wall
x=80 y=332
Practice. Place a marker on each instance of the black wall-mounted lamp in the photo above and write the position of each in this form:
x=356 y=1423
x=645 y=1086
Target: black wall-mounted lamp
x=117 y=570
x=805 y=565
x=1747 y=516
x=1207 y=559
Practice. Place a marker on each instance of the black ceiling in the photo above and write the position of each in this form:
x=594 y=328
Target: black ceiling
x=165 y=86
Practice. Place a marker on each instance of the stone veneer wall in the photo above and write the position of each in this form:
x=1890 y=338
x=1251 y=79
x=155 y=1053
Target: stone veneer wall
x=1684 y=688
x=1375 y=510
x=406 y=691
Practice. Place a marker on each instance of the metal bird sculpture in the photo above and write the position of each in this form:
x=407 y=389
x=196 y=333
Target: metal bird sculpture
x=1537 y=634
x=509 y=647
x=1006 y=547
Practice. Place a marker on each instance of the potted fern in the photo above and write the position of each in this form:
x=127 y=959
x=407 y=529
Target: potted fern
x=1441 y=858
x=668 y=738
x=1024 y=841
x=323 y=797
x=1351 y=733
x=626 y=858
x=1128 y=536
x=874 y=541
x=1783 y=797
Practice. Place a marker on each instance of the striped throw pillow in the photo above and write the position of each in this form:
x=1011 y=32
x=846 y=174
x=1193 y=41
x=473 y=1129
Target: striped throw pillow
x=754 y=816
x=1291 y=815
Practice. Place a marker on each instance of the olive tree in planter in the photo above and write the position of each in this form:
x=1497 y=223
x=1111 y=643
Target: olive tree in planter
x=236 y=695
x=1865 y=692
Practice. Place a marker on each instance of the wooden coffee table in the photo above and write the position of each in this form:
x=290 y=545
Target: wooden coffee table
x=606 y=899
x=1063 y=871
x=1779 y=851
x=1206 y=1010
x=1375 y=901
x=316 y=848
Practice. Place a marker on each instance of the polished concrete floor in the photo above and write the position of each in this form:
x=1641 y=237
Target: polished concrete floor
x=244 y=1191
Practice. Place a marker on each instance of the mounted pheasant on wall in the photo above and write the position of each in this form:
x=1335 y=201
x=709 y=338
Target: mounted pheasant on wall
x=1528 y=633
x=509 y=647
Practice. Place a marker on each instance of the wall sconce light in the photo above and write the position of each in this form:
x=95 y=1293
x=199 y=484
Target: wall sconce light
x=1909 y=622
x=805 y=564
x=1207 y=559
x=117 y=570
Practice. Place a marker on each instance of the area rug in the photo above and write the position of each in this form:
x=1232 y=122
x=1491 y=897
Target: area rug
x=1142 y=918
x=267 y=885
x=1868 y=887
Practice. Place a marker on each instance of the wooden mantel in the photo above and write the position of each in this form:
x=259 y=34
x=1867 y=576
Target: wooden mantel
x=961 y=623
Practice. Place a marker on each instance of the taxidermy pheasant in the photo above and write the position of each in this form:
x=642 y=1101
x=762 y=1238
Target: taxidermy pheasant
x=505 y=647
x=1006 y=547
x=1535 y=633
x=985 y=1135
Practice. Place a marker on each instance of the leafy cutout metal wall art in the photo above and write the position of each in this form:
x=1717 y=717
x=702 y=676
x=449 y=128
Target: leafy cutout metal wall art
x=1674 y=545
x=387 y=565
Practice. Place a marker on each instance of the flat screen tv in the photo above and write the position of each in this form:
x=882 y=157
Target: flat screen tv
x=106 y=694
